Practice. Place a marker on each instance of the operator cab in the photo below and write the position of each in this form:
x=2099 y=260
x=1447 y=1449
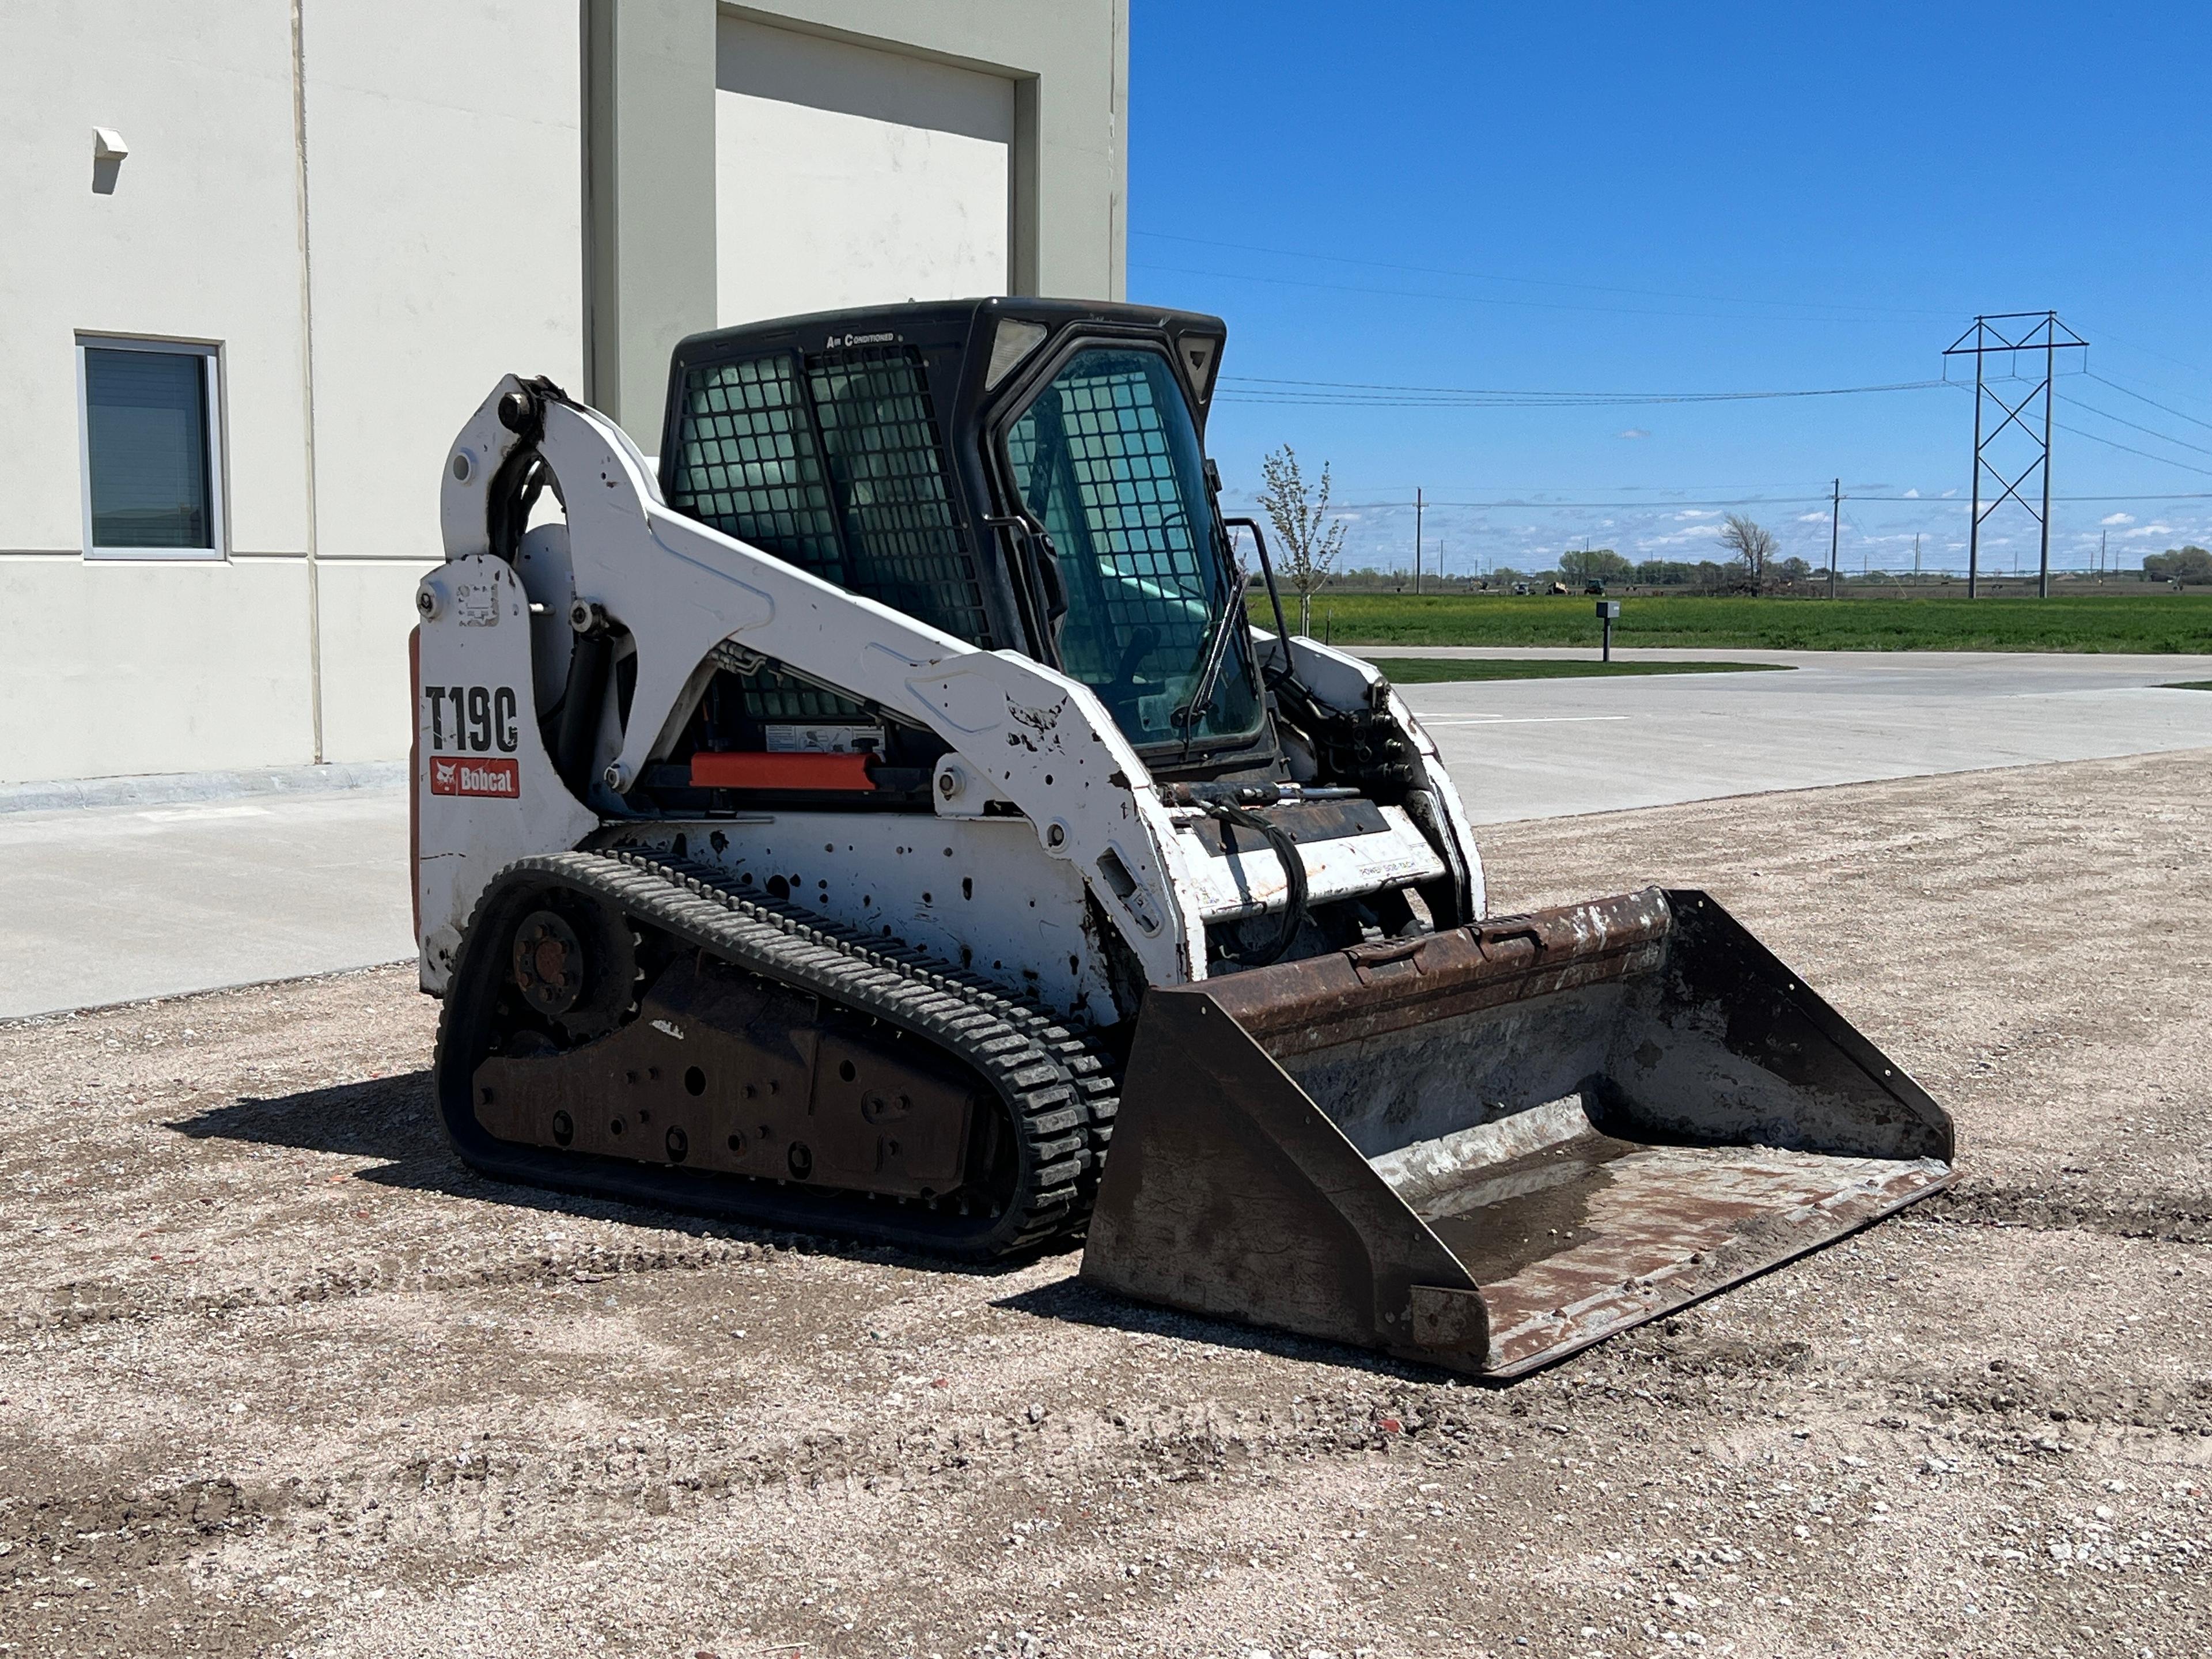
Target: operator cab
x=1027 y=475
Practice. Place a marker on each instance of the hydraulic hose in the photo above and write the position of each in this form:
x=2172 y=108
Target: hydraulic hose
x=1294 y=876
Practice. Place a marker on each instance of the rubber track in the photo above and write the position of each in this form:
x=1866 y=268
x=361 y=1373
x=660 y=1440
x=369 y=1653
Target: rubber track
x=1091 y=1070
x=1005 y=1043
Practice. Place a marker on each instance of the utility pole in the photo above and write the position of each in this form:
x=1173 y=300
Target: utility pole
x=1835 y=532
x=1916 y=557
x=2008 y=334
x=1417 y=505
x=1974 y=522
x=2102 y=537
x=2050 y=376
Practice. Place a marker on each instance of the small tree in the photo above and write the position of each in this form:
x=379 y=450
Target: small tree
x=1600 y=562
x=1312 y=539
x=1754 y=545
x=2188 y=564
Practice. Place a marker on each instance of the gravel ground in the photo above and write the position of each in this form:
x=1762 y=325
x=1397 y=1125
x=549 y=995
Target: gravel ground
x=276 y=1376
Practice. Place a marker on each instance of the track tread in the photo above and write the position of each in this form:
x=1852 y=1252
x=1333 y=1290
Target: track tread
x=1058 y=1086
x=1089 y=1069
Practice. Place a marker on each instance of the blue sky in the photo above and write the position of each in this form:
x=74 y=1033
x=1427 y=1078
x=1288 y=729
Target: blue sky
x=1621 y=198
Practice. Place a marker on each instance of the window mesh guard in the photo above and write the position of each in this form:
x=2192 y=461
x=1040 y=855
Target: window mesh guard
x=841 y=474
x=748 y=464
x=1096 y=461
x=888 y=468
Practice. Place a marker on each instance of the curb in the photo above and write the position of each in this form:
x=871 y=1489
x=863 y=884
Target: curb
x=55 y=1016
x=167 y=788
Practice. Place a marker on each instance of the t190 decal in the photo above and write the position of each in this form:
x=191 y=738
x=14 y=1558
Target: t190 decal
x=473 y=718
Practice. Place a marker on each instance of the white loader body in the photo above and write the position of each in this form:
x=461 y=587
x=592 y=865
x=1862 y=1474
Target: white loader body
x=1089 y=822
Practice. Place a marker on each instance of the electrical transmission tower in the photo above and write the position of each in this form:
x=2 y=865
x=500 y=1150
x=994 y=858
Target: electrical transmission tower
x=2019 y=433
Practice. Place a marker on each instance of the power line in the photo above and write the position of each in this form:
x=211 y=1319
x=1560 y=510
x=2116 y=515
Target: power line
x=2188 y=495
x=1361 y=394
x=2130 y=345
x=1753 y=500
x=1524 y=503
x=1530 y=282
x=1474 y=299
x=2163 y=437
x=1396 y=490
x=2153 y=402
x=2115 y=444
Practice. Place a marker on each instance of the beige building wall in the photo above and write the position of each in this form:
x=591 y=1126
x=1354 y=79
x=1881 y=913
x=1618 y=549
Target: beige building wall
x=150 y=667
x=898 y=186
x=372 y=217
x=444 y=221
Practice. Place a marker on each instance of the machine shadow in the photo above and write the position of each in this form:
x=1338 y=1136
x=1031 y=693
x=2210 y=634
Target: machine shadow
x=394 y=1119
x=1075 y=1303
x=389 y=1118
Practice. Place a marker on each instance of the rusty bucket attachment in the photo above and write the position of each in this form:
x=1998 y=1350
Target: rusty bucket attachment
x=1488 y=1148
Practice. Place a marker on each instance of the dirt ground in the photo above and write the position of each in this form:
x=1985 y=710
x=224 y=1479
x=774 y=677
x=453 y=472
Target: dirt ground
x=278 y=1377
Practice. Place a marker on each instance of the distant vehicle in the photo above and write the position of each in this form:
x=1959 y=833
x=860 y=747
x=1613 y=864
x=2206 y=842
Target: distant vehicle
x=1520 y=587
x=1558 y=587
x=1595 y=585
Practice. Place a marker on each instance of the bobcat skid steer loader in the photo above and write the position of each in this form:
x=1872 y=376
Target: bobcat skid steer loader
x=878 y=818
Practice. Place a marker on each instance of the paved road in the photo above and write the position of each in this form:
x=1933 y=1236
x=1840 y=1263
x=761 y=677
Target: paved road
x=1537 y=749
x=109 y=904
x=112 y=904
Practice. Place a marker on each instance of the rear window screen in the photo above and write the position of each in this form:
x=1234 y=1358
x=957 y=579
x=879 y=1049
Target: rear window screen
x=835 y=464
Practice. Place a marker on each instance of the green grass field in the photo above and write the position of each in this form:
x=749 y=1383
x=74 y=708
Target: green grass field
x=2149 y=622
x=1429 y=670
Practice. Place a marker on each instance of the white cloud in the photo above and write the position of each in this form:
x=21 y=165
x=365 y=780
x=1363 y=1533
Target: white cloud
x=1946 y=495
x=1634 y=432
x=1912 y=495
x=2117 y=518
x=1812 y=518
x=1698 y=534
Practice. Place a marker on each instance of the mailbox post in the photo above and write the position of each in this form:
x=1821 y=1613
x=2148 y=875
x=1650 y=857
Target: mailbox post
x=1608 y=610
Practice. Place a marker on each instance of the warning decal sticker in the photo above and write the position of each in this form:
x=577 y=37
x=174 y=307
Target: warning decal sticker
x=456 y=776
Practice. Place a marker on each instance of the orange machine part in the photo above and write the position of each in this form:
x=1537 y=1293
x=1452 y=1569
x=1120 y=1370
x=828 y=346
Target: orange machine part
x=736 y=769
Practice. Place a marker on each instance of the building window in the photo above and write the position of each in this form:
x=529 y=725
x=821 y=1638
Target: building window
x=151 y=432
